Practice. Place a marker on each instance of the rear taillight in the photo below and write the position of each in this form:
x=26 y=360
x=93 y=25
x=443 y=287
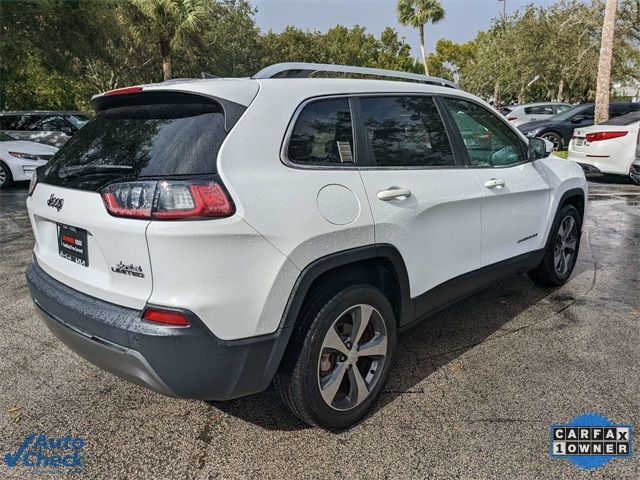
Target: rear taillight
x=166 y=317
x=122 y=91
x=598 y=136
x=168 y=200
x=511 y=119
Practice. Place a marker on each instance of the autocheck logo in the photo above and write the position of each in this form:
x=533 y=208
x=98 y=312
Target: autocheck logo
x=55 y=202
x=48 y=454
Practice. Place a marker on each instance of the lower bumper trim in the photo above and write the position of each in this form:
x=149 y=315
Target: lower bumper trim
x=122 y=362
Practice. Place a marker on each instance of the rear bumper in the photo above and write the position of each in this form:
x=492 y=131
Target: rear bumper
x=184 y=362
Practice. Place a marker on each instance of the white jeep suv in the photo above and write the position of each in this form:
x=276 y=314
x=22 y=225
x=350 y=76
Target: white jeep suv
x=204 y=238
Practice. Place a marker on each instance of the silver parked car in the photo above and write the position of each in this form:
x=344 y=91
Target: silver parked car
x=530 y=112
x=49 y=127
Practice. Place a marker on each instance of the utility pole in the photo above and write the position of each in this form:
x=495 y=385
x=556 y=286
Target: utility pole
x=504 y=10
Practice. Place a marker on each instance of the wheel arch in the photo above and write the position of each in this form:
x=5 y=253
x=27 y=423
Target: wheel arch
x=379 y=265
x=575 y=197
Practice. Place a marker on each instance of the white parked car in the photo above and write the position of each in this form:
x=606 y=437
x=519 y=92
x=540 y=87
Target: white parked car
x=19 y=159
x=204 y=238
x=608 y=148
x=532 y=112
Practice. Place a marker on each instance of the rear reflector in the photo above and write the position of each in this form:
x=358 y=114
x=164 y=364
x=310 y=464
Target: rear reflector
x=168 y=200
x=598 y=136
x=166 y=317
x=121 y=91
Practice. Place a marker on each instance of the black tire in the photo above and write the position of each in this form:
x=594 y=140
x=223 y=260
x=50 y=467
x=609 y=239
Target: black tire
x=549 y=273
x=299 y=377
x=5 y=173
x=555 y=138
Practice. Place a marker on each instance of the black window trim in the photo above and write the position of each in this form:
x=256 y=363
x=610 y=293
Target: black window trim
x=362 y=159
x=450 y=123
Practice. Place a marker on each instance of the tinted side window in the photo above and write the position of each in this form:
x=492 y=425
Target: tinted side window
x=322 y=134
x=406 y=131
x=539 y=110
x=562 y=108
x=587 y=114
x=10 y=122
x=489 y=142
x=54 y=124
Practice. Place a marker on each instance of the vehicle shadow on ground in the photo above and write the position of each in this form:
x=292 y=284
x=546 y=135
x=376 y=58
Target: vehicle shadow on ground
x=422 y=350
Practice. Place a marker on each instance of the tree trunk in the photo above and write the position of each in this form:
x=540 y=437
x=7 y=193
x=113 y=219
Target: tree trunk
x=165 y=51
x=422 y=49
x=604 y=65
x=496 y=95
x=560 y=97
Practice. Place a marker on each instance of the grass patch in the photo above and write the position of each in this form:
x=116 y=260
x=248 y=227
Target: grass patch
x=564 y=154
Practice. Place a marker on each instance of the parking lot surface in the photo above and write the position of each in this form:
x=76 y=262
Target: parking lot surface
x=472 y=395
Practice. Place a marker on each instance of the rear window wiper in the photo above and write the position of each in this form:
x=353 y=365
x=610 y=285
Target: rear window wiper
x=93 y=169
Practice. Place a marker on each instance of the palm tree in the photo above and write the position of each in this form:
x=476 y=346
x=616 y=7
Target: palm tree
x=604 y=64
x=168 y=20
x=416 y=13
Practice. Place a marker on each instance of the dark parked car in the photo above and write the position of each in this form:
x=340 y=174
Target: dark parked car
x=50 y=127
x=559 y=128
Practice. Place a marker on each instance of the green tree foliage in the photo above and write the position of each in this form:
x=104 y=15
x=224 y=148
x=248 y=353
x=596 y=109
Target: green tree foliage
x=57 y=54
x=338 y=45
x=543 y=54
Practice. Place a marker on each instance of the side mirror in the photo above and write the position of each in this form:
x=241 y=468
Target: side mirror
x=67 y=130
x=539 y=148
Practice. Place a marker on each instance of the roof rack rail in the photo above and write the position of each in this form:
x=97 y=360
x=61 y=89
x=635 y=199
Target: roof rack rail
x=305 y=70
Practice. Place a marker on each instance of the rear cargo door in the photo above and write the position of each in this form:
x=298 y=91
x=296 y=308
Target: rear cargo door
x=92 y=205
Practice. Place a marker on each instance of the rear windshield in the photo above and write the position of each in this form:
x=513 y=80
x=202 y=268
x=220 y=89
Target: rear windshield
x=132 y=142
x=627 y=119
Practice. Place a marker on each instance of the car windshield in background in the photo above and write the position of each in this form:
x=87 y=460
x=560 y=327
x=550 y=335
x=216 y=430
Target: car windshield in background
x=5 y=138
x=140 y=141
x=627 y=119
x=571 y=112
x=78 y=121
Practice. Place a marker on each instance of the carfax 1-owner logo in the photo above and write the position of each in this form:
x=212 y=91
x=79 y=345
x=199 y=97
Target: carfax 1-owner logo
x=47 y=454
x=591 y=441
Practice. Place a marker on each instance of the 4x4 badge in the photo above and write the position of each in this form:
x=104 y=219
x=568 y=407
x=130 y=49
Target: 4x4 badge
x=55 y=202
x=128 y=270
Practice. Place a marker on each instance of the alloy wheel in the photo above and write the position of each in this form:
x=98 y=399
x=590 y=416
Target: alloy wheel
x=555 y=140
x=3 y=175
x=565 y=246
x=352 y=357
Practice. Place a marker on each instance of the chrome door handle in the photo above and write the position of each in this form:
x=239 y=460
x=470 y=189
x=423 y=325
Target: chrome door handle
x=401 y=193
x=494 y=183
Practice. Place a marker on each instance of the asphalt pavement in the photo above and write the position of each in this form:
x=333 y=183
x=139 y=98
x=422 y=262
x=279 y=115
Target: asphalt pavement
x=472 y=394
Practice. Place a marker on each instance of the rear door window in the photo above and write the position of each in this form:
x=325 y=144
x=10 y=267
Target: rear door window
x=140 y=141
x=405 y=131
x=322 y=134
